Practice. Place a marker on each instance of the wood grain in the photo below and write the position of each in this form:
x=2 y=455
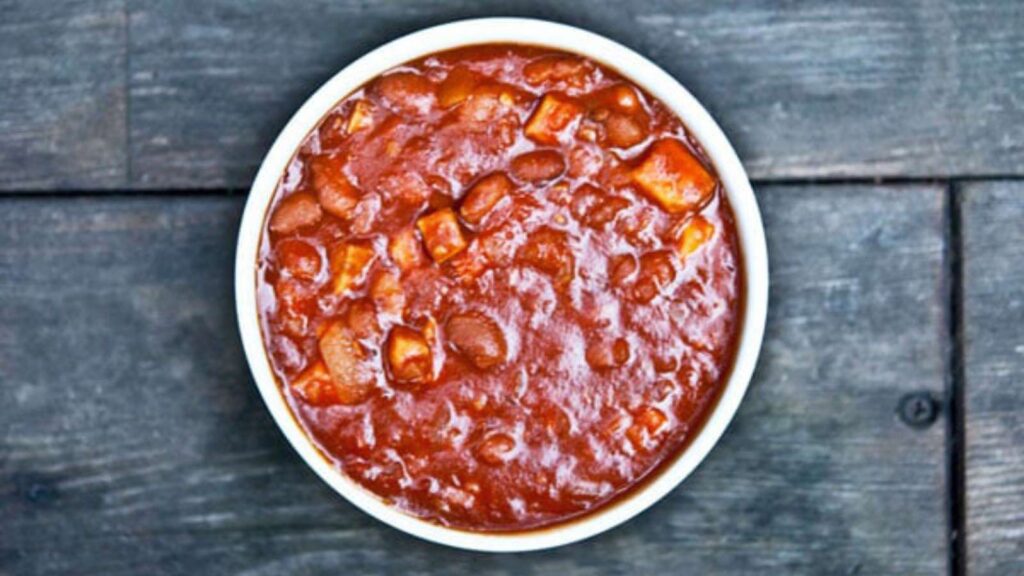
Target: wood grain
x=993 y=275
x=804 y=89
x=132 y=440
x=62 y=89
x=122 y=94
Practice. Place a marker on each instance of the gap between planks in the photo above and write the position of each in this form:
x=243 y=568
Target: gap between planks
x=955 y=381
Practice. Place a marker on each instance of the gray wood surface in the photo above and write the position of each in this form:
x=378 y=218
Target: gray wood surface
x=63 y=95
x=139 y=93
x=132 y=440
x=930 y=88
x=993 y=270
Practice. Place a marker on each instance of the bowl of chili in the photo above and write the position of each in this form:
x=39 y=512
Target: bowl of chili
x=502 y=283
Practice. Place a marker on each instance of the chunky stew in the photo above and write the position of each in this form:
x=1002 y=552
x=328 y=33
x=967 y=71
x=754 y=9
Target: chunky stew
x=500 y=286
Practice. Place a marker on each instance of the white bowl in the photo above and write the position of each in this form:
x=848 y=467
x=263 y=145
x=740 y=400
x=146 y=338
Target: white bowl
x=643 y=73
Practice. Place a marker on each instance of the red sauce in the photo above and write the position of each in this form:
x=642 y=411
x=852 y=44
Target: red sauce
x=500 y=286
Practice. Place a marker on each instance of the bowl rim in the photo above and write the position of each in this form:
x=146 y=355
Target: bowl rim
x=637 y=69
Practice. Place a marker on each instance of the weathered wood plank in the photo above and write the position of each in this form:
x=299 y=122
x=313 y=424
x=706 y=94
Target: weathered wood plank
x=62 y=89
x=131 y=439
x=992 y=222
x=804 y=90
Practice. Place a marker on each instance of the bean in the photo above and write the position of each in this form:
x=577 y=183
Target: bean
x=538 y=166
x=298 y=211
x=478 y=338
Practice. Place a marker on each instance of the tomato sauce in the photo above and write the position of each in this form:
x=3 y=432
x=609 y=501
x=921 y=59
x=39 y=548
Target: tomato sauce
x=500 y=286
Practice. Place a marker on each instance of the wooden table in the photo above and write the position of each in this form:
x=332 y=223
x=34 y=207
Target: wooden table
x=884 y=430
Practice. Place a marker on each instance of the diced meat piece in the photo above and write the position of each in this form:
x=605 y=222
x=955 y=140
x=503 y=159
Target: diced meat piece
x=673 y=177
x=442 y=234
x=298 y=211
x=607 y=353
x=405 y=250
x=406 y=92
x=484 y=196
x=548 y=250
x=694 y=234
x=349 y=263
x=347 y=363
x=336 y=193
x=478 y=338
x=647 y=425
x=362 y=320
x=361 y=116
x=554 y=70
x=456 y=87
x=497 y=449
x=656 y=272
x=624 y=131
x=409 y=356
x=315 y=387
x=621 y=268
x=553 y=115
x=387 y=292
x=299 y=258
x=594 y=208
x=538 y=166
